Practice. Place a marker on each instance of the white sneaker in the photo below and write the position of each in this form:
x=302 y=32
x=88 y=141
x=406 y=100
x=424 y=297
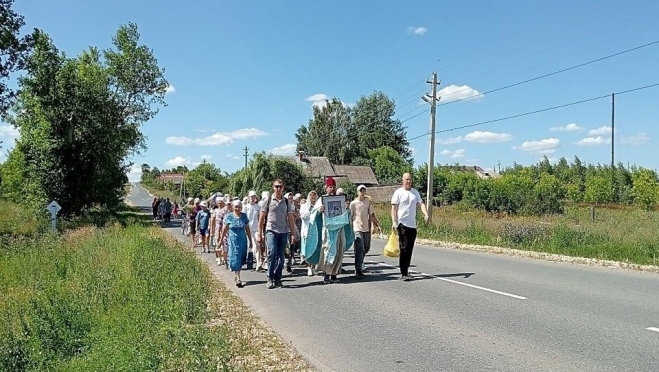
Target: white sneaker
x=217 y=261
x=309 y=272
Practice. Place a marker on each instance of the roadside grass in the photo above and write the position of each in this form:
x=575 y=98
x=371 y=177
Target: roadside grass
x=618 y=234
x=124 y=298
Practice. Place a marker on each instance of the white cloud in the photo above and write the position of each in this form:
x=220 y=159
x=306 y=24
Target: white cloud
x=320 y=100
x=543 y=146
x=206 y=157
x=487 y=137
x=412 y=150
x=637 y=139
x=285 y=150
x=449 y=141
x=593 y=141
x=134 y=173
x=217 y=139
x=233 y=157
x=178 y=161
x=8 y=136
x=452 y=93
x=170 y=89
x=603 y=130
x=420 y=31
x=246 y=133
x=572 y=127
x=459 y=153
x=8 y=131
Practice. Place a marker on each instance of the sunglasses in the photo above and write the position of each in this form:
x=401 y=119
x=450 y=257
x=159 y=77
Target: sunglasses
x=278 y=186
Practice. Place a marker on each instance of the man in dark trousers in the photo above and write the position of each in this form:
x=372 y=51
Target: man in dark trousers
x=403 y=216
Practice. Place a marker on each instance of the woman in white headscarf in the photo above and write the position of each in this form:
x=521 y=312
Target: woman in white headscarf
x=305 y=215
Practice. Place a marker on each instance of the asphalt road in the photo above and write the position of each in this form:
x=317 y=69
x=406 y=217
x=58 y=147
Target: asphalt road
x=465 y=311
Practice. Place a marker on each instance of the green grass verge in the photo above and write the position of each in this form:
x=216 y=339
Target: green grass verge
x=121 y=299
x=617 y=234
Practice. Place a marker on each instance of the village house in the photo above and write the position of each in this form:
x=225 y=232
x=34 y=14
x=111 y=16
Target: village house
x=480 y=172
x=319 y=167
x=175 y=178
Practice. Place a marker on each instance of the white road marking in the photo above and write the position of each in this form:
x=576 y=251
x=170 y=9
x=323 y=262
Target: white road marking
x=460 y=283
x=655 y=329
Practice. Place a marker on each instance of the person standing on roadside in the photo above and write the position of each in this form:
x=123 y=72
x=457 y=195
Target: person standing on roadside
x=277 y=220
x=362 y=215
x=168 y=211
x=404 y=202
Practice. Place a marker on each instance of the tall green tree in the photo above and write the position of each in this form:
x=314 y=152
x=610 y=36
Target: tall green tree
x=14 y=50
x=375 y=126
x=327 y=133
x=345 y=135
x=388 y=164
x=646 y=188
x=80 y=118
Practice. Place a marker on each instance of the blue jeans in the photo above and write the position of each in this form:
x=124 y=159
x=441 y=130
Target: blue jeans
x=276 y=243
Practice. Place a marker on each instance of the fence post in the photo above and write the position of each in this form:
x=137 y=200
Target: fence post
x=592 y=213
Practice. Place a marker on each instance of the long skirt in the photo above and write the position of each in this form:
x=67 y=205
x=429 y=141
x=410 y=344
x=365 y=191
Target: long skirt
x=237 y=250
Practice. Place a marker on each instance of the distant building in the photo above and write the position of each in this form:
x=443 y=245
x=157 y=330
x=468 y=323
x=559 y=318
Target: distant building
x=175 y=178
x=319 y=167
x=480 y=172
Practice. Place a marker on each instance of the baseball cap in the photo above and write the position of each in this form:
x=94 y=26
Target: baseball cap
x=251 y=193
x=360 y=187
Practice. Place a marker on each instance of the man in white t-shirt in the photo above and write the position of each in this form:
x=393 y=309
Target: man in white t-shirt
x=403 y=215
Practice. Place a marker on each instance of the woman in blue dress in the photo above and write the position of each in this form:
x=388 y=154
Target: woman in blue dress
x=236 y=225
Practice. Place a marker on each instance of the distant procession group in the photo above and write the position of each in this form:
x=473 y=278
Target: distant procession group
x=318 y=229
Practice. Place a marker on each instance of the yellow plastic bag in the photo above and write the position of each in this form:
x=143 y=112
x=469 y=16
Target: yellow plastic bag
x=391 y=248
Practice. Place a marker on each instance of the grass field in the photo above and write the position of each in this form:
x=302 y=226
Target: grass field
x=123 y=299
x=618 y=233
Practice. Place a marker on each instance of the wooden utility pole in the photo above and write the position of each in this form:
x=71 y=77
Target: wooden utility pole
x=432 y=99
x=613 y=128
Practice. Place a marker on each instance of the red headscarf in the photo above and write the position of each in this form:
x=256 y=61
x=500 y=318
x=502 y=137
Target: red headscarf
x=330 y=182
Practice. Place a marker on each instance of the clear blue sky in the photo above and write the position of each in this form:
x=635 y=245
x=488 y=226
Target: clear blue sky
x=244 y=73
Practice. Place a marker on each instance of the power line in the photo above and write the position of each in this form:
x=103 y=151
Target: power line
x=618 y=19
x=547 y=75
x=528 y=80
x=537 y=111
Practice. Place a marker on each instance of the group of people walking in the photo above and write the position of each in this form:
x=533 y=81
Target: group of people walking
x=272 y=230
x=163 y=209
